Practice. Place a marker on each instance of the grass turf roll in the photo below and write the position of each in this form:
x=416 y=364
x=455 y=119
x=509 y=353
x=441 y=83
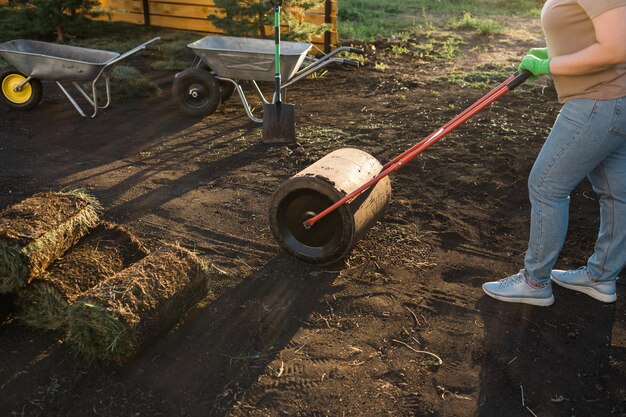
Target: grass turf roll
x=38 y=230
x=113 y=320
x=105 y=251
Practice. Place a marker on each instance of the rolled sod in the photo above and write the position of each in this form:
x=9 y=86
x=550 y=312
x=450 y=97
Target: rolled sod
x=38 y=230
x=117 y=317
x=105 y=251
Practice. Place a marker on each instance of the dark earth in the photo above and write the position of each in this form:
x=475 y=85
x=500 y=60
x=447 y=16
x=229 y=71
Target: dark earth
x=401 y=327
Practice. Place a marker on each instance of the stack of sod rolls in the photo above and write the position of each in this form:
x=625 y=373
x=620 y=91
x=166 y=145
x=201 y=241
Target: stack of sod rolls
x=38 y=230
x=105 y=251
x=113 y=320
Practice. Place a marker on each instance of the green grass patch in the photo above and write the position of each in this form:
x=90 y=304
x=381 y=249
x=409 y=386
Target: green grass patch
x=481 y=78
x=381 y=66
x=367 y=19
x=481 y=25
x=436 y=47
x=481 y=7
x=173 y=51
x=128 y=82
x=426 y=45
x=125 y=82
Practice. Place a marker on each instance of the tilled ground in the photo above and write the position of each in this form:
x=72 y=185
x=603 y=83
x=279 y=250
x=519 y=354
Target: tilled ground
x=401 y=327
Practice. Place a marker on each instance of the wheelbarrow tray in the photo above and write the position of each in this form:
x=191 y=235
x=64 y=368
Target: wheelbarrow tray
x=249 y=58
x=54 y=62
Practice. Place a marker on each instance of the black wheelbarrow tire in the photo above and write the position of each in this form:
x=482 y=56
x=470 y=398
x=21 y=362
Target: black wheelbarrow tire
x=226 y=87
x=25 y=99
x=226 y=90
x=196 y=92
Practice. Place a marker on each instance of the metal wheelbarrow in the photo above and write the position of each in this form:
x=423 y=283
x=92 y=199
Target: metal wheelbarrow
x=33 y=61
x=221 y=62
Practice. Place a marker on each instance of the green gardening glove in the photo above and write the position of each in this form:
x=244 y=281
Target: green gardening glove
x=536 y=65
x=541 y=53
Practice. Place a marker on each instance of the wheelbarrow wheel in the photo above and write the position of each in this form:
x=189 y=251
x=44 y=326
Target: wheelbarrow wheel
x=226 y=87
x=196 y=92
x=26 y=97
x=226 y=90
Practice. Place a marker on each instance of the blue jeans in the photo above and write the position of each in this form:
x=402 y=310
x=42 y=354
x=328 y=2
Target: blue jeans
x=588 y=139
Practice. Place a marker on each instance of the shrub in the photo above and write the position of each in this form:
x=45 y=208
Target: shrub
x=251 y=18
x=55 y=15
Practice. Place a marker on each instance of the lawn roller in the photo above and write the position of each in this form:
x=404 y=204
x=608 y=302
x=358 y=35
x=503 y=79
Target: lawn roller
x=319 y=214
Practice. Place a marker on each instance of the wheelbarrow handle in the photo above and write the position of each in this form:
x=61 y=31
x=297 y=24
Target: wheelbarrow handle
x=132 y=51
x=356 y=50
x=509 y=84
x=351 y=62
x=152 y=48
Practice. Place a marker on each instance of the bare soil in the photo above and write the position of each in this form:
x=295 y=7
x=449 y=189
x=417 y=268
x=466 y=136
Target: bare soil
x=400 y=328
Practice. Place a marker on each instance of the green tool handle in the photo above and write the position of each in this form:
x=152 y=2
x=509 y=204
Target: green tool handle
x=277 y=77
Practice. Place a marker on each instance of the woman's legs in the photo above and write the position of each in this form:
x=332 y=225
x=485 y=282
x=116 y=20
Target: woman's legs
x=582 y=142
x=609 y=182
x=597 y=279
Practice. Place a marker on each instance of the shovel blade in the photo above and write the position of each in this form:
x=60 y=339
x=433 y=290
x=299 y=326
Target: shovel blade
x=279 y=124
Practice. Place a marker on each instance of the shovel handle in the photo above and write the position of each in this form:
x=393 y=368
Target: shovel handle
x=277 y=75
x=509 y=84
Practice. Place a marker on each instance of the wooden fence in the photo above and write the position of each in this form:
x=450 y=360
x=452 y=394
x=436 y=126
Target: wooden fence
x=192 y=15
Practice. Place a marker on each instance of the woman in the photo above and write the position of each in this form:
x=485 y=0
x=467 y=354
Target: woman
x=586 y=56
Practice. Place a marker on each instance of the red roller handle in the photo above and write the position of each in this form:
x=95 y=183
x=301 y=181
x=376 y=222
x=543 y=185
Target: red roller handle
x=396 y=163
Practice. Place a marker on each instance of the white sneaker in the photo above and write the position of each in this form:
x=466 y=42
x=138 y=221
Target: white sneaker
x=580 y=280
x=516 y=289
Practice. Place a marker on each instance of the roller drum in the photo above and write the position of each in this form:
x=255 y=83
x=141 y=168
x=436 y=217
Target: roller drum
x=317 y=187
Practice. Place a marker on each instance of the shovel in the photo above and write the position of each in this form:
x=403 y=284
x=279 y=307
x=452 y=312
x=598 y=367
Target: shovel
x=279 y=124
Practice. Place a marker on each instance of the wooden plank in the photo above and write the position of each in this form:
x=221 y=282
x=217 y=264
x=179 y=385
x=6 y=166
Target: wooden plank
x=136 y=18
x=197 y=25
x=163 y=8
x=183 y=10
x=204 y=5
x=122 y=6
x=192 y=15
x=334 y=36
x=119 y=4
x=334 y=7
x=319 y=19
x=161 y=13
x=117 y=14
